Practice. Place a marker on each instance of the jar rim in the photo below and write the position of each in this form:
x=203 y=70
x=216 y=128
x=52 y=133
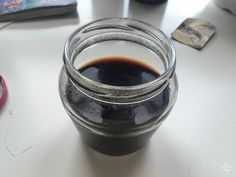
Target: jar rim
x=108 y=90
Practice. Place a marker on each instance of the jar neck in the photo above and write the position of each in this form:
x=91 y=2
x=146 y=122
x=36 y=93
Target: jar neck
x=124 y=30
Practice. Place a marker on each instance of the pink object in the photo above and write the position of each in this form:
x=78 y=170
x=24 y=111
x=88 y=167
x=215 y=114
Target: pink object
x=3 y=91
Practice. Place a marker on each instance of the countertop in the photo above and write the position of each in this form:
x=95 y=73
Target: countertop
x=198 y=139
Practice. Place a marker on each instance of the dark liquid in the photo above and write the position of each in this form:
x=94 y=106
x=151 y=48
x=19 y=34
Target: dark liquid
x=119 y=72
x=117 y=118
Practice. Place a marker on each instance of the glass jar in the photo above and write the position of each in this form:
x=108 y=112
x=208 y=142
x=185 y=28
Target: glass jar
x=118 y=120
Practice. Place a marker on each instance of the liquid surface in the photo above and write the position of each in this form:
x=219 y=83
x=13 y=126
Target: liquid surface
x=119 y=71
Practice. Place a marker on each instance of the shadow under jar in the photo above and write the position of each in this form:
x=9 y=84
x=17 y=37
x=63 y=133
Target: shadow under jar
x=118 y=83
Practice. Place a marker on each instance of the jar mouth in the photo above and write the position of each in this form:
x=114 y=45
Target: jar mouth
x=153 y=38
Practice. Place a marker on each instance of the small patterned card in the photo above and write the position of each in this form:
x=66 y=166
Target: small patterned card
x=194 y=32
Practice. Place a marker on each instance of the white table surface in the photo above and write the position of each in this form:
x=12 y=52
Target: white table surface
x=37 y=138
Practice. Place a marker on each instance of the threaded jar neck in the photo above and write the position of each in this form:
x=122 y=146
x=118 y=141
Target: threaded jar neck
x=119 y=29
